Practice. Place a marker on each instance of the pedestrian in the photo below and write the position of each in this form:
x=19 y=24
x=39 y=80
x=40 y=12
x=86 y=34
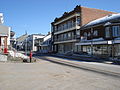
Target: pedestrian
x=30 y=56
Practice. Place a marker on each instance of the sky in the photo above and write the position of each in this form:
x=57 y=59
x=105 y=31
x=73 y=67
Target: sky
x=35 y=16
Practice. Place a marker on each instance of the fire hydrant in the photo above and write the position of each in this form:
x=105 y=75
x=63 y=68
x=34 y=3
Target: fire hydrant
x=5 y=51
x=30 y=56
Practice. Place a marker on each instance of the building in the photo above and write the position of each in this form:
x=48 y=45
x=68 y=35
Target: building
x=101 y=37
x=32 y=41
x=66 y=29
x=4 y=35
x=12 y=39
x=20 y=42
x=45 y=45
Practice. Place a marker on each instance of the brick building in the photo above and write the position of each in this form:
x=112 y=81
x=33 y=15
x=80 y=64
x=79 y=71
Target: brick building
x=66 y=29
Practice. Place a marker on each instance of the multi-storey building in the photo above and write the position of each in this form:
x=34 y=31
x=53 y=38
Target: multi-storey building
x=66 y=29
x=32 y=41
x=45 y=45
x=101 y=37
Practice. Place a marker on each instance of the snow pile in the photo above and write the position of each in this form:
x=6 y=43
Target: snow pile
x=16 y=54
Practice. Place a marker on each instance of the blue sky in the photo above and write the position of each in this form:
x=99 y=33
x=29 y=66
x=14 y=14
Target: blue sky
x=35 y=16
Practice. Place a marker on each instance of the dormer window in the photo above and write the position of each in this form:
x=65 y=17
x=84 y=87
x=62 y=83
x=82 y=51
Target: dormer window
x=116 y=31
x=95 y=33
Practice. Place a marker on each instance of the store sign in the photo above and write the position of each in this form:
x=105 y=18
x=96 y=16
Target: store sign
x=109 y=42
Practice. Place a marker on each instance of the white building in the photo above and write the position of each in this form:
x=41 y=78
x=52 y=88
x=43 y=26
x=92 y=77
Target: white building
x=1 y=18
x=45 y=46
x=31 y=41
x=4 y=34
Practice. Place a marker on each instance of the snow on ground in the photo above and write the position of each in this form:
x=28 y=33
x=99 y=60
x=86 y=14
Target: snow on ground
x=17 y=54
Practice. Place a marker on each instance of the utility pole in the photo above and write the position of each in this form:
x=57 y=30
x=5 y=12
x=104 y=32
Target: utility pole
x=26 y=44
x=26 y=47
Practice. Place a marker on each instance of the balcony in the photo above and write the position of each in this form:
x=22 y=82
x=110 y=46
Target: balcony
x=65 y=40
x=66 y=30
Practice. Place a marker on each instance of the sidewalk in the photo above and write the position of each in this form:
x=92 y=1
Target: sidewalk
x=87 y=58
x=109 y=69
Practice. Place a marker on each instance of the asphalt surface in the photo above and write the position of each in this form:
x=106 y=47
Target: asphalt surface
x=102 y=68
x=44 y=75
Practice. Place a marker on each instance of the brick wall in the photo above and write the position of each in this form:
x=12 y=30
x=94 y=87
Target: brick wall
x=90 y=14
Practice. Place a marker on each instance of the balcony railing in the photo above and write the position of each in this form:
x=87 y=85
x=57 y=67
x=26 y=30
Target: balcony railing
x=65 y=28
x=65 y=39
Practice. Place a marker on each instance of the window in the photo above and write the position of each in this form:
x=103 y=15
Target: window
x=78 y=32
x=59 y=27
x=65 y=36
x=65 y=26
x=85 y=34
x=68 y=24
x=55 y=28
x=116 y=31
x=89 y=34
x=52 y=28
x=78 y=20
x=69 y=35
x=107 y=32
x=95 y=33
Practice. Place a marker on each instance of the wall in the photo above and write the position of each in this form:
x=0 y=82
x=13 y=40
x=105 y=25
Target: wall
x=90 y=14
x=5 y=31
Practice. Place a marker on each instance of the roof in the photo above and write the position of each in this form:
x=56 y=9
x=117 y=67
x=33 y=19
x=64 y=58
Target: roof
x=3 y=35
x=79 y=9
x=103 y=20
x=38 y=34
x=66 y=14
x=22 y=38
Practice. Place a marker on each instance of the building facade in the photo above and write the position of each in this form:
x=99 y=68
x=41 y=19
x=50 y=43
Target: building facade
x=45 y=45
x=32 y=41
x=101 y=37
x=20 y=42
x=66 y=29
x=4 y=34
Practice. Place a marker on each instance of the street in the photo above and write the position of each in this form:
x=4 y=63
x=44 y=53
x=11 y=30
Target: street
x=45 y=75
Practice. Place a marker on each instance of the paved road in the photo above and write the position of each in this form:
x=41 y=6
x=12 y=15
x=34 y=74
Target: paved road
x=45 y=75
x=102 y=68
